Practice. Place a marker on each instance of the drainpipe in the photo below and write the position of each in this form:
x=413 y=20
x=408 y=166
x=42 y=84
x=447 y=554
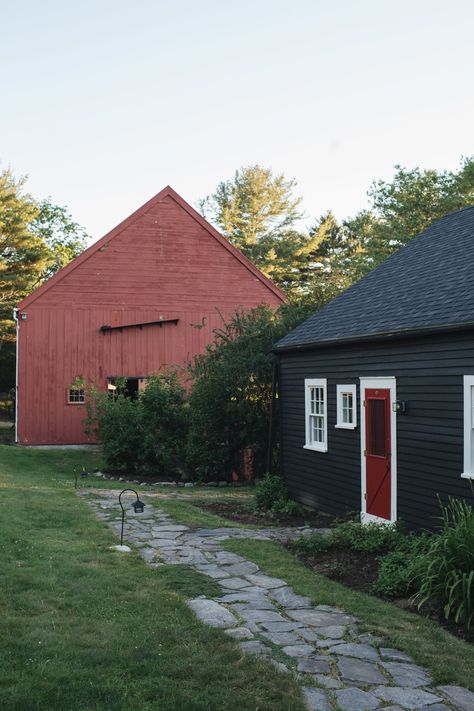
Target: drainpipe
x=271 y=424
x=15 y=318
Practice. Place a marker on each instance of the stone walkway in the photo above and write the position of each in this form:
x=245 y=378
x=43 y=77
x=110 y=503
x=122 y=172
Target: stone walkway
x=338 y=667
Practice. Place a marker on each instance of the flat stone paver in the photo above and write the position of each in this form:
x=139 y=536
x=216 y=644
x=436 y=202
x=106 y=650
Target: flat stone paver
x=407 y=674
x=361 y=672
x=211 y=613
x=353 y=699
x=336 y=666
x=406 y=698
x=462 y=698
x=316 y=699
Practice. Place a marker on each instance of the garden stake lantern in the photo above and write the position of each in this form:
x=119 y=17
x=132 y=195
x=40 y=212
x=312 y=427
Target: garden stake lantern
x=138 y=507
x=83 y=475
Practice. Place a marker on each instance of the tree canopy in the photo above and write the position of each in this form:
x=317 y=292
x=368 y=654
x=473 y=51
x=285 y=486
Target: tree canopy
x=36 y=239
x=23 y=253
x=259 y=213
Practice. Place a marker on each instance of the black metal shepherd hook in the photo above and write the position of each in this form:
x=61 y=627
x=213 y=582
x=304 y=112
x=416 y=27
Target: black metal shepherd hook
x=138 y=507
x=83 y=475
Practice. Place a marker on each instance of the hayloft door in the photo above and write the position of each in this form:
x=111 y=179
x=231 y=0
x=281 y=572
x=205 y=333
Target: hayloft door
x=378 y=444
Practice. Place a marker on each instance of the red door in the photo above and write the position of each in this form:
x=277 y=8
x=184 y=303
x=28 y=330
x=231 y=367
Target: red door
x=378 y=452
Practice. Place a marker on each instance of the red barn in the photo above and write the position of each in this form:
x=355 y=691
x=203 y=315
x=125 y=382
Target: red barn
x=146 y=296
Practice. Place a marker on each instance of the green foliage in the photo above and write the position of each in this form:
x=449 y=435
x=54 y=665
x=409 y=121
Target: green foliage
x=146 y=434
x=272 y=495
x=231 y=395
x=269 y=492
x=400 y=570
x=23 y=255
x=367 y=538
x=164 y=418
x=449 y=573
x=314 y=544
x=402 y=208
x=252 y=206
x=64 y=238
x=117 y=423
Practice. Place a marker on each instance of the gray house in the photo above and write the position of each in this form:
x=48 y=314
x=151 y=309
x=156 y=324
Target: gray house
x=376 y=389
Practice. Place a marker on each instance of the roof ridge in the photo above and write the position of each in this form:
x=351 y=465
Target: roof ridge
x=167 y=191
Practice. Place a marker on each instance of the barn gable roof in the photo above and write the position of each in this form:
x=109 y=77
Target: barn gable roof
x=166 y=192
x=426 y=286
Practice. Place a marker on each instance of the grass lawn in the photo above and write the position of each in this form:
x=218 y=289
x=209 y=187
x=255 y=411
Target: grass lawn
x=450 y=659
x=85 y=628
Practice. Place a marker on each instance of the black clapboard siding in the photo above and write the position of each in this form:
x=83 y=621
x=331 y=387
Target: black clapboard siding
x=429 y=376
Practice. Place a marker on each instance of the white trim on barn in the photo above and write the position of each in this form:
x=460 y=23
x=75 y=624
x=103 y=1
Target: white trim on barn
x=389 y=383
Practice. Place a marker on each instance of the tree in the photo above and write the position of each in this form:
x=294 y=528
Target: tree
x=64 y=238
x=257 y=212
x=36 y=239
x=403 y=207
x=231 y=393
x=23 y=253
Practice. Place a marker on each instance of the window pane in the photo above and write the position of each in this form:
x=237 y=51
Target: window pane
x=347 y=408
x=377 y=428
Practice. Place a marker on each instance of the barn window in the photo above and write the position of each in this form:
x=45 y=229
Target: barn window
x=316 y=414
x=76 y=395
x=346 y=407
x=468 y=472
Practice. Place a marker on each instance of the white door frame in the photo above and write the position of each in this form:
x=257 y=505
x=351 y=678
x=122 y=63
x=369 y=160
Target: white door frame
x=387 y=383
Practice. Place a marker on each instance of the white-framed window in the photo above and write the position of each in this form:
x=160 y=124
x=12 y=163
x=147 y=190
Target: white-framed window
x=76 y=395
x=316 y=419
x=346 y=407
x=468 y=472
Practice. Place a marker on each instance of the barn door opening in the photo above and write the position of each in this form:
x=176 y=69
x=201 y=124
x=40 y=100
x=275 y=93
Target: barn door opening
x=378 y=450
x=130 y=387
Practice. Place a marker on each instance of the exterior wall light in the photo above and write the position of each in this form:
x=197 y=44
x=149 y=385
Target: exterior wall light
x=138 y=507
x=400 y=407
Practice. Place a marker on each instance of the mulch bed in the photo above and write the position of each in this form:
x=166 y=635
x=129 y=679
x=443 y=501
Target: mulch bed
x=241 y=513
x=351 y=568
x=358 y=571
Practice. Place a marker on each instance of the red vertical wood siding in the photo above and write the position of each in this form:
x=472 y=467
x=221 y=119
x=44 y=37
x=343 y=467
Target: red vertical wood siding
x=163 y=263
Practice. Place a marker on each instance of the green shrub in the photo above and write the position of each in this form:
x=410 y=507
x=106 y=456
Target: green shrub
x=400 y=569
x=290 y=508
x=367 y=538
x=448 y=577
x=232 y=391
x=313 y=544
x=271 y=492
x=272 y=495
x=144 y=435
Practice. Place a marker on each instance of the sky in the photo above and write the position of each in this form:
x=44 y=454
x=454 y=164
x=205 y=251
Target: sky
x=103 y=103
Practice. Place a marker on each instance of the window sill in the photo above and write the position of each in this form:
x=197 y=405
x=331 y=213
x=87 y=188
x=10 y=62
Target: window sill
x=467 y=476
x=315 y=449
x=345 y=427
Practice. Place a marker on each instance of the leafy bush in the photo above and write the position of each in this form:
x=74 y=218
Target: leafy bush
x=272 y=495
x=399 y=570
x=231 y=395
x=448 y=576
x=117 y=424
x=146 y=434
x=313 y=544
x=270 y=491
x=367 y=538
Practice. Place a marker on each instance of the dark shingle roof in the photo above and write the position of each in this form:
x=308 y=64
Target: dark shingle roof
x=426 y=286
